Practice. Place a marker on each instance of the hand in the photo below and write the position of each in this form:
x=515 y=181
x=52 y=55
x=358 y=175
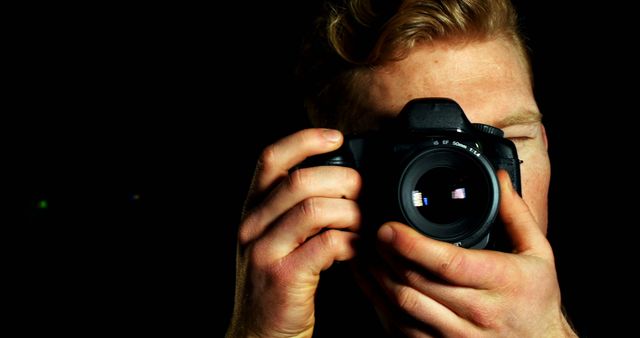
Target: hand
x=444 y=290
x=295 y=226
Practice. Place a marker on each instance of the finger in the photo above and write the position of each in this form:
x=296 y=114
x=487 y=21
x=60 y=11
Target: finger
x=396 y=323
x=467 y=303
x=520 y=225
x=277 y=159
x=423 y=308
x=325 y=181
x=319 y=252
x=307 y=219
x=371 y=290
x=482 y=269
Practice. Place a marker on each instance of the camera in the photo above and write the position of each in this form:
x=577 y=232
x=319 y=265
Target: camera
x=432 y=169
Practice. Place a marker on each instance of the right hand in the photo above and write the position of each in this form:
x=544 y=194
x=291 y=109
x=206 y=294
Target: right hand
x=295 y=225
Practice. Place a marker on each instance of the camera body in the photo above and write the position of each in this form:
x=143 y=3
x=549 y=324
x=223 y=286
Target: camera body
x=434 y=170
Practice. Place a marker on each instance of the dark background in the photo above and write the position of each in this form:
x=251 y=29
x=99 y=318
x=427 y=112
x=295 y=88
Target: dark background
x=140 y=125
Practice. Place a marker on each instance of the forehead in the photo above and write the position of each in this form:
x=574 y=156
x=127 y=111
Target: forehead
x=489 y=79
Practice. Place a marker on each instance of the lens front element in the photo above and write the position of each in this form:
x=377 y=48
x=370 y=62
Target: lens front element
x=450 y=194
x=446 y=195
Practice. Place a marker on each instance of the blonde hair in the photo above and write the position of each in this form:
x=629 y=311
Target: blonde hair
x=353 y=36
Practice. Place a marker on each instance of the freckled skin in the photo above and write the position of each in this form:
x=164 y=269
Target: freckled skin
x=490 y=81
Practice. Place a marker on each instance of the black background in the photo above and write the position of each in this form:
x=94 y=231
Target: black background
x=173 y=104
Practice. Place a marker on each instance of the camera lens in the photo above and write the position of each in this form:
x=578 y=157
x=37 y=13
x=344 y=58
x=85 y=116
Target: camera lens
x=450 y=193
x=445 y=195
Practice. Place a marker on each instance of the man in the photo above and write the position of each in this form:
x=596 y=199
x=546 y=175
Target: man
x=364 y=62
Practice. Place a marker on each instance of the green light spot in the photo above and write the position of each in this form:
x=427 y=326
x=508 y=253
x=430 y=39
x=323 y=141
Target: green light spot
x=43 y=204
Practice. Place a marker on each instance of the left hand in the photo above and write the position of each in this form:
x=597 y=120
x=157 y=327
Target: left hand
x=444 y=290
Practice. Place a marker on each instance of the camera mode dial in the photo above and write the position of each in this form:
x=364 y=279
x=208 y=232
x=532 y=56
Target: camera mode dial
x=485 y=128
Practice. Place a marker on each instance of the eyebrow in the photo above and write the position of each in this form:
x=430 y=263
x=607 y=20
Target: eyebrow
x=521 y=117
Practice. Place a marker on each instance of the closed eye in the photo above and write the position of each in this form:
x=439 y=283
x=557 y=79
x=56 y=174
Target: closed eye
x=519 y=133
x=520 y=139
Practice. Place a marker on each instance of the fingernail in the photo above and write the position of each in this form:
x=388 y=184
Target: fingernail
x=331 y=135
x=386 y=233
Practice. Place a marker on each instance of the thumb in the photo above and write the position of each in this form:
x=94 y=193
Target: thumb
x=523 y=230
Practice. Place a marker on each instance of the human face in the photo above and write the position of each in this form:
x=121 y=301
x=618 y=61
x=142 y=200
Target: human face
x=491 y=82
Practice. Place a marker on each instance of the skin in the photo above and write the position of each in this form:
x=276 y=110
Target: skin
x=491 y=83
x=421 y=287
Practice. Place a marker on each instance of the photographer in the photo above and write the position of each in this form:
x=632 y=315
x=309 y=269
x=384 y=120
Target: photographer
x=362 y=64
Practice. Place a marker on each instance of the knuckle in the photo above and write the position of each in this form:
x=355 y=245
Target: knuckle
x=310 y=209
x=267 y=158
x=406 y=299
x=410 y=246
x=329 y=239
x=353 y=179
x=356 y=214
x=452 y=265
x=413 y=278
x=258 y=256
x=244 y=236
x=255 y=255
x=297 y=179
x=482 y=316
x=244 y=231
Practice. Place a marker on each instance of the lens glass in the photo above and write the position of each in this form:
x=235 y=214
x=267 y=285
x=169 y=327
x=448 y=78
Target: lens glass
x=445 y=195
x=449 y=193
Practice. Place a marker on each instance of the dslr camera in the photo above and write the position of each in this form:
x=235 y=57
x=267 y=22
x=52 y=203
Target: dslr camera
x=434 y=170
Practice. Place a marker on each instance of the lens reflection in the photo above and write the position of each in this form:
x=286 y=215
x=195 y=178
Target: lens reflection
x=445 y=195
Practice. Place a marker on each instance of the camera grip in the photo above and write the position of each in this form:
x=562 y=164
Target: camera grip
x=348 y=155
x=335 y=157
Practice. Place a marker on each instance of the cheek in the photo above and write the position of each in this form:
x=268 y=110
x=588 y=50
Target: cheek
x=535 y=173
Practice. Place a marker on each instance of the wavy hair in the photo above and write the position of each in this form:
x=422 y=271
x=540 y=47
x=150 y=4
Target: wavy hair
x=350 y=37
